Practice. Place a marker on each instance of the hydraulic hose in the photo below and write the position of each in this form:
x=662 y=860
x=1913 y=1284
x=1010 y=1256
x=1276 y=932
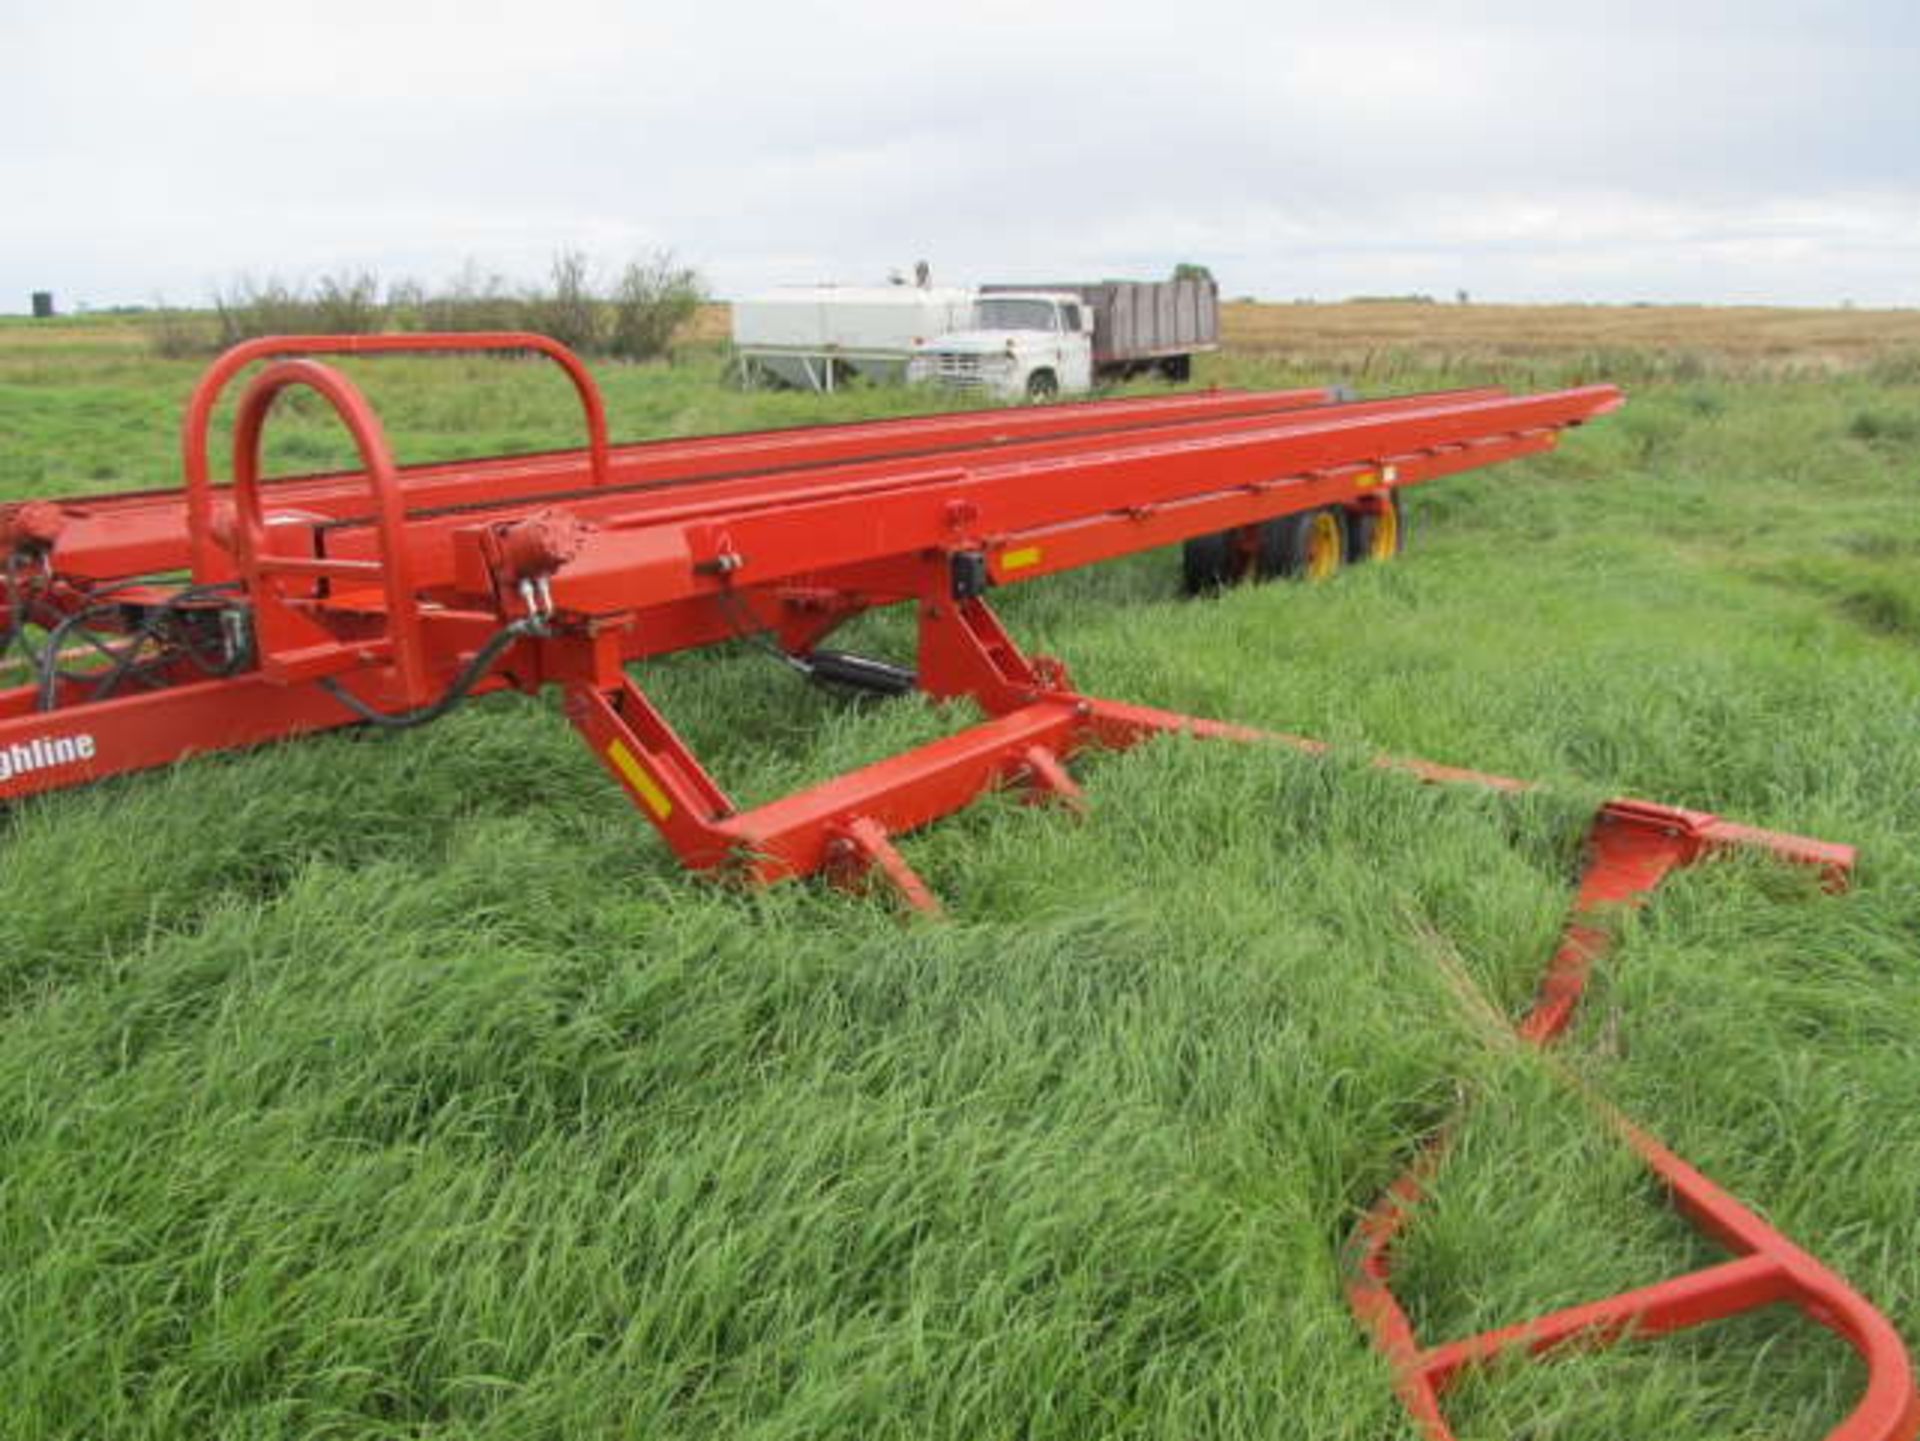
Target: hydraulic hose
x=470 y=676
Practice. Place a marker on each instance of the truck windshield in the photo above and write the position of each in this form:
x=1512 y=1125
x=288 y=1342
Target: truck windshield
x=1010 y=314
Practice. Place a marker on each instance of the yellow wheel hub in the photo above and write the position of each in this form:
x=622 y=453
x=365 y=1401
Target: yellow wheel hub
x=1323 y=547
x=1385 y=541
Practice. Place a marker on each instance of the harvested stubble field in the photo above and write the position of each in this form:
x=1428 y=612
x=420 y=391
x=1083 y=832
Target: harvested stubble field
x=399 y=1087
x=1356 y=337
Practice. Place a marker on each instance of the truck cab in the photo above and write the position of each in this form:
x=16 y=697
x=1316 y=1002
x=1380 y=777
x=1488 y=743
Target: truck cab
x=1030 y=345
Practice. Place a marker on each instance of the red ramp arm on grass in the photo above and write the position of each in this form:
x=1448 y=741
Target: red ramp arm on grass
x=1632 y=849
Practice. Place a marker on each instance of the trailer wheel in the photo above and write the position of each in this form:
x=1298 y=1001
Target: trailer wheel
x=1309 y=545
x=1178 y=369
x=1377 y=534
x=1210 y=563
x=1042 y=385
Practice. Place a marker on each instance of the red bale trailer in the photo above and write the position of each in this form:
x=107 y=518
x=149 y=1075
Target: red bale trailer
x=149 y=627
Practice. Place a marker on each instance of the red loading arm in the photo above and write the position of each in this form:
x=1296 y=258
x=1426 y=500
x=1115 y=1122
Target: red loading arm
x=1634 y=846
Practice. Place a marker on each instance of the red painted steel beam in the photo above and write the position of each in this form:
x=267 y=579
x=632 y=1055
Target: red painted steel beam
x=729 y=495
x=775 y=544
x=1014 y=437
x=147 y=532
x=45 y=751
x=635 y=561
x=792 y=836
x=653 y=566
x=430 y=539
x=1695 y=1299
x=1046 y=550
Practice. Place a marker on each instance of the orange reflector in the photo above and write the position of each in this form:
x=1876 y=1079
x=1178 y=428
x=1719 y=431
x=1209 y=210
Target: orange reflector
x=1020 y=559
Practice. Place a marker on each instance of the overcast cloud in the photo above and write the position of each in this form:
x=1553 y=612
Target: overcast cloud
x=1743 y=152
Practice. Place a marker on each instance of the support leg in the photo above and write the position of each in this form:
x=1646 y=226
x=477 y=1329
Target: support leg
x=656 y=769
x=965 y=651
x=861 y=851
x=1048 y=778
x=844 y=826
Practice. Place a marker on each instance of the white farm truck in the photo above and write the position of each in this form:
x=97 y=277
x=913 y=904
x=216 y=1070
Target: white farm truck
x=1009 y=342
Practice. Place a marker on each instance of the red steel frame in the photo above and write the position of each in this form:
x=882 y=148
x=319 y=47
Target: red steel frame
x=1633 y=847
x=384 y=581
x=374 y=589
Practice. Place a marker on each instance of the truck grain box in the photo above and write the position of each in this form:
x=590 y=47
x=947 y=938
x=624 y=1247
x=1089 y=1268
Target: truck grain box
x=1036 y=341
x=817 y=336
x=1140 y=325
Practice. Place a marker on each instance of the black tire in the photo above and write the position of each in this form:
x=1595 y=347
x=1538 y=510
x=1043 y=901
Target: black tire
x=1377 y=535
x=1177 y=368
x=1042 y=386
x=1308 y=545
x=1210 y=563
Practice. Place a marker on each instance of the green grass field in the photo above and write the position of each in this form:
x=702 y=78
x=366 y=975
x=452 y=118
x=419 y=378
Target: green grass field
x=403 y=1087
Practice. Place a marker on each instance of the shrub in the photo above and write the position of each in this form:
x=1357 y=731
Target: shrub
x=568 y=312
x=177 y=334
x=1899 y=367
x=1901 y=428
x=346 y=304
x=654 y=299
x=474 y=301
x=406 y=302
x=249 y=308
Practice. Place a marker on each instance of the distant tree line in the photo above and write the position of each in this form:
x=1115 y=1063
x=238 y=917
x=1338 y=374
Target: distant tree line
x=633 y=318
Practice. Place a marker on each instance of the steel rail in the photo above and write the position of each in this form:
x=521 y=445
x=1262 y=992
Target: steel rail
x=149 y=530
x=1632 y=848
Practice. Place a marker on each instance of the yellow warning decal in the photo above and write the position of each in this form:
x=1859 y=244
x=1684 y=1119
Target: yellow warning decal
x=1366 y=478
x=1020 y=559
x=635 y=775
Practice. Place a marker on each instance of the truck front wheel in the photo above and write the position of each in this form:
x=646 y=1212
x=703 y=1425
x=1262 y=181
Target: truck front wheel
x=1042 y=385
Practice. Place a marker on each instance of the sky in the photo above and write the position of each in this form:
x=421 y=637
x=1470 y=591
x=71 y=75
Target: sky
x=1618 y=151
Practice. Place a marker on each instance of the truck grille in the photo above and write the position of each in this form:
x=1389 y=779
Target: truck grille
x=958 y=369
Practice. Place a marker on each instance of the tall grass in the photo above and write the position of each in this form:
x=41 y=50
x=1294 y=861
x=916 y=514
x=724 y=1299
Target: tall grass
x=374 y=1087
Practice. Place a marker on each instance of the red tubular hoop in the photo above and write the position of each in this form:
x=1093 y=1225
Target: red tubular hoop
x=206 y=394
x=259 y=567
